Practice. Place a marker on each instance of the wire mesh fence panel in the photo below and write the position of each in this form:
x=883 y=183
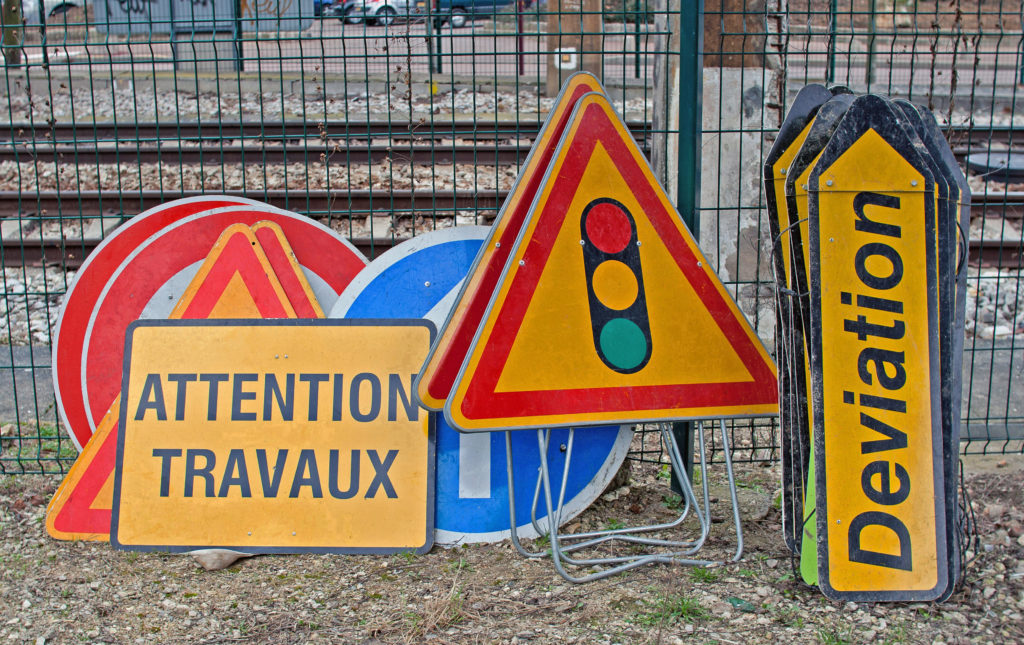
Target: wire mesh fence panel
x=383 y=119
x=962 y=60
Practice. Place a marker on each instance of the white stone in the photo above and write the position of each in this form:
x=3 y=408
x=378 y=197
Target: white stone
x=215 y=559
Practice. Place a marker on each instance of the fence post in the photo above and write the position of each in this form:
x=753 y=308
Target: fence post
x=12 y=32
x=832 y=11
x=636 y=35
x=237 y=36
x=691 y=84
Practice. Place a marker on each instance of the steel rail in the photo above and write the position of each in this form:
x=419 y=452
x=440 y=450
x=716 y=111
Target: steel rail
x=214 y=131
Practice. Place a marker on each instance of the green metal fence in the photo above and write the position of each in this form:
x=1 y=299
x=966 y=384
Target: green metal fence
x=382 y=131
x=963 y=60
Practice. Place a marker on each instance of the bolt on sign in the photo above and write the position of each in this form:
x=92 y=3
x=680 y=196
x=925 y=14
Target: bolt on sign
x=274 y=436
x=606 y=311
x=884 y=511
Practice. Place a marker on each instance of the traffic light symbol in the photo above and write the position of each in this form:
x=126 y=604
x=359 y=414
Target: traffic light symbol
x=615 y=286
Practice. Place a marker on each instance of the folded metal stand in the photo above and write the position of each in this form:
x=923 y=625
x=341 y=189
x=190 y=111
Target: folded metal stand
x=663 y=550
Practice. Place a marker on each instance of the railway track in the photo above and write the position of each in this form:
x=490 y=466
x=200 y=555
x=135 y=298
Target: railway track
x=440 y=142
x=34 y=249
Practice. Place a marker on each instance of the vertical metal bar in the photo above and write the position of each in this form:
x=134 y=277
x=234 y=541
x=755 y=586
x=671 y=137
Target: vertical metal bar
x=869 y=73
x=636 y=38
x=238 y=36
x=440 y=42
x=429 y=27
x=691 y=83
x=832 y=41
x=520 y=45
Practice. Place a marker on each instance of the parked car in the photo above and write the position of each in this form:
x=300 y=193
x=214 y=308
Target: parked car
x=350 y=11
x=51 y=8
x=386 y=12
x=459 y=12
x=455 y=12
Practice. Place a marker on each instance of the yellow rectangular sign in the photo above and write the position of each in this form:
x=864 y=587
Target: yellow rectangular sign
x=275 y=436
x=881 y=511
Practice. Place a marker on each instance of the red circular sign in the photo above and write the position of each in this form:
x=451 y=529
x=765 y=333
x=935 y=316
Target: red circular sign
x=85 y=289
x=170 y=257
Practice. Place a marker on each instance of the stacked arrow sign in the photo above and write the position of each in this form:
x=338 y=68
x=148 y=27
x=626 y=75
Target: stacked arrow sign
x=867 y=209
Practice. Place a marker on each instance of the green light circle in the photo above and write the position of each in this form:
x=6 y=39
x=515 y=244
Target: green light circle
x=623 y=343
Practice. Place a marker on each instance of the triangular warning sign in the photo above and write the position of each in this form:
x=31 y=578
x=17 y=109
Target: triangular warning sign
x=236 y=280
x=607 y=311
x=286 y=267
x=80 y=509
x=435 y=380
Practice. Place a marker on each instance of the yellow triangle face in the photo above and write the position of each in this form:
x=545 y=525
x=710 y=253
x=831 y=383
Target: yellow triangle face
x=105 y=497
x=555 y=346
x=607 y=312
x=236 y=301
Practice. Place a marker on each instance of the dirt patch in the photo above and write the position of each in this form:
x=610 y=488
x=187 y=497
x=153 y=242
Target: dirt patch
x=54 y=591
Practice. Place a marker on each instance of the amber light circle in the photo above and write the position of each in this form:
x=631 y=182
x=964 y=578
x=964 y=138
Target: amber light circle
x=615 y=285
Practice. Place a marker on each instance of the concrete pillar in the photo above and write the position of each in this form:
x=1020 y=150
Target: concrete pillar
x=574 y=40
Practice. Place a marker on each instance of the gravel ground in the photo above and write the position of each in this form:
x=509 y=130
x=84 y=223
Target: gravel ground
x=63 y=592
x=31 y=176
x=30 y=298
x=124 y=102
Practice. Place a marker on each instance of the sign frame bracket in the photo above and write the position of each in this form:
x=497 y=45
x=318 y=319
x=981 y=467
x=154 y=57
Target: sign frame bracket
x=678 y=552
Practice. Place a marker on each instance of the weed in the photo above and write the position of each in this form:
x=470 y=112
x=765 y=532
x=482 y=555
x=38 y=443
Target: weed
x=668 y=610
x=673 y=502
x=438 y=614
x=790 y=617
x=757 y=488
x=746 y=573
x=614 y=524
x=833 y=637
x=896 y=634
x=665 y=472
x=700 y=574
x=461 y=564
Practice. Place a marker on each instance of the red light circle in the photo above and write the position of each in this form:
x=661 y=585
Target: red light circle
x=608 y=227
